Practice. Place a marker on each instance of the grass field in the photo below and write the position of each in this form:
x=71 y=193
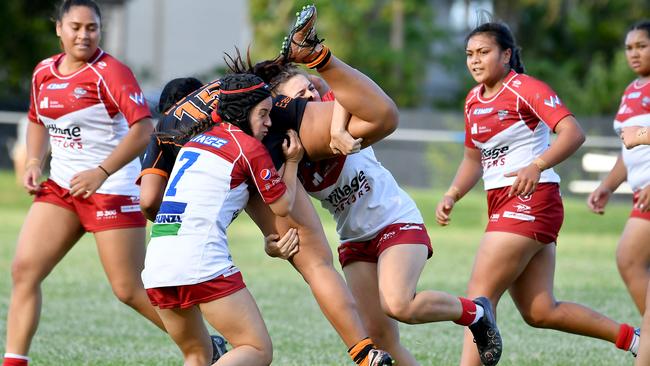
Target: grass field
x=83 y=324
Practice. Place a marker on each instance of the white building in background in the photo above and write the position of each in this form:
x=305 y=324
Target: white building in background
x=164 y=39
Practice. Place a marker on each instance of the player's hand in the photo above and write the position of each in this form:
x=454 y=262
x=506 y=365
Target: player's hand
x=443 y=210
x=526 y=181
x=633 y=136
x=30 y=178
x=87 y=182
x=284 y=247
x=598 y=199
x=643 y=200
x=343 y=143
x=293 y=150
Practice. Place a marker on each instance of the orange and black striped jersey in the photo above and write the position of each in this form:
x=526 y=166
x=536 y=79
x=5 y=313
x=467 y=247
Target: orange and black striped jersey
x=160 y=155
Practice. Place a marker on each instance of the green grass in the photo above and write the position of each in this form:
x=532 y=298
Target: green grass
x=83 y=324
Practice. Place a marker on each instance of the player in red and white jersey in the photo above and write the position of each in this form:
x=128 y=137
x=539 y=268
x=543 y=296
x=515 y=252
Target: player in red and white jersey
x=511 y=127
x=189 y=272
x=88 y=113
x=381 y=232
x=633 y=165
x=507 y=119
x=92 y=110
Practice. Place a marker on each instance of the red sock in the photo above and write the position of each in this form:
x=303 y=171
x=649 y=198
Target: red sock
x=469 y=312
x=12 y=360
x=625 y=337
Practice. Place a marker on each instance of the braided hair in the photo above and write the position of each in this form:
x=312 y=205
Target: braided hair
x=175 y=90
x=238 y=95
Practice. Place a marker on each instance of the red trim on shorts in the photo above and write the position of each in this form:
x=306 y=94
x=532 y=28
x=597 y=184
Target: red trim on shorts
x=538 y=216
x=99 y=212
x=185 y=296
x=636 y=212
x=391 y=235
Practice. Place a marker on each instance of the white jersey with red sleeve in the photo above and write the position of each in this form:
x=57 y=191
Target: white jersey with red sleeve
x=206 y=190
x=513 y=127
x=360 y=193
x=635 y=111
x=87 y=114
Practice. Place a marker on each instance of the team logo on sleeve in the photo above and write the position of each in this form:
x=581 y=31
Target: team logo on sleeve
x=553 y=101
x=265 y=174
x=137 y=98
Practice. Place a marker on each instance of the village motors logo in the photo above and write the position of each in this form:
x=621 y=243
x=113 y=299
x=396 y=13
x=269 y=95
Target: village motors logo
x=67 y=138
x=494 y=157
x=344 y=196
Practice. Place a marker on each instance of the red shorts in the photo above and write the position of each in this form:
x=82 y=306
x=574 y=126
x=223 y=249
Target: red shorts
x=538 y=216
x=186 y=296
x=395 y=234
x=636 y=212
x=99 y=212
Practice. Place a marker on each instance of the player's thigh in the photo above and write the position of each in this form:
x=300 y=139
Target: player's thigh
x=186 y=328
x=533 y=289
x=501 y=258
x=399 y=269
x=361 y=278
x=238 y=319
x=47 y=234
x=634 y=244
x=122 y=253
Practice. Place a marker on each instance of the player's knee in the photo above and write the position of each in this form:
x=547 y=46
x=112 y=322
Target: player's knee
x=266 y=355
x=398 y=308
x=197 y=355
x=126 y=293
x=315 y=267
x=629 y=263
x=263 y=352
x=540 y=317
x=23 y=273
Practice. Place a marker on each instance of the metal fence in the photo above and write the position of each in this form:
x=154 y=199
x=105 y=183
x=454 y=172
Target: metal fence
x=424 y=151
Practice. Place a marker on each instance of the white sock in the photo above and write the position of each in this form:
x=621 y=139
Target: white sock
x=19 y=357
x=634 y=345
x=479 y=314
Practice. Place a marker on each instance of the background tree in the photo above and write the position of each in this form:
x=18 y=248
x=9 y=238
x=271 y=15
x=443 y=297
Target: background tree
x=576 y=47
x=26 y=37
x=389 y=40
